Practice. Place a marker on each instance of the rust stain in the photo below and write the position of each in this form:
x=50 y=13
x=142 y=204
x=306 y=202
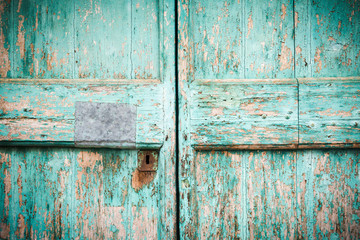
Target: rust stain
x=140 y=179
x=21 y=37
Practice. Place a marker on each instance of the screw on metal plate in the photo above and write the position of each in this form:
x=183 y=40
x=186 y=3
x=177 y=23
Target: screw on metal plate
x=147 y=161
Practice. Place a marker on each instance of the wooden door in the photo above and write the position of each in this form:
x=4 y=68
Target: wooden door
x=269 y=119
x=85 y=86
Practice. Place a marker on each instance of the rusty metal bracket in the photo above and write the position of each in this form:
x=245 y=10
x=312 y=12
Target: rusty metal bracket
x=148 y=160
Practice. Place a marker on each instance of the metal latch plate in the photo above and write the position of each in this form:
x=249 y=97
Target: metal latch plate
x=147 y=160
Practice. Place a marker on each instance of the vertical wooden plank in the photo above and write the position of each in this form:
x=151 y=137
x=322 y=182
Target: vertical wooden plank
x=269 y=42
x=218 y=39
x=167 y=223
x=327 y=36
x=103 y=39
x=21 y=204
x=53 y=179
x=305 y=196
x=219 y=195
x=272 y=194
x=188 y=220
x=115 y=218
x=303 y=38
x=330 y=208
x=145 y=54
x=336 y=190
x=143 y=203
x=6 y=32
x=88 y=194
x=44 y=39
x=5 y=193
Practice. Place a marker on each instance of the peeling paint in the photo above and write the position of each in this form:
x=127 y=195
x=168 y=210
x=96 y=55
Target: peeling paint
x=21 y=36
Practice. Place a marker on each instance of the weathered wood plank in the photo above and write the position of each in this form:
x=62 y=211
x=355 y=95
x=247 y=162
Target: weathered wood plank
x=5 y=196
x=117 y=39
x=269 y=42
x=218 y=39
x=220 y=194
x=328 y=194
x=243 y=112
x=43 y=40
x=327 y=38
x=145 y=50
x=329 y=111
x=6 y=33
x=44 y=111
x=70 y=193
x=103 y=39
x=271 y=194
x=53 y=177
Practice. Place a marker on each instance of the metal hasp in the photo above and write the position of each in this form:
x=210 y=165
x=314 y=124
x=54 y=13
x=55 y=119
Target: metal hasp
x=148 y=161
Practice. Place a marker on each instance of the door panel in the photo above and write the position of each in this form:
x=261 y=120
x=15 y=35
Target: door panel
x=273 y=194
x=55 y=56
x=264 y=94
x=70 y=192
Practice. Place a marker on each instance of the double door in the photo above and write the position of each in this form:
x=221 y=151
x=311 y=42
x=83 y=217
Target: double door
x=191 y=119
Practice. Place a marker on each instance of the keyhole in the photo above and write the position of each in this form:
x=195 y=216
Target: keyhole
x=147 y=159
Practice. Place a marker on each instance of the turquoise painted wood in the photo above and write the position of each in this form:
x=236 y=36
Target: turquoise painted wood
x=232 y=186
x=43 y=110
x=235 y=113
x=329 y=111
x=53 y=54
x=75 y=193
x=265 y=89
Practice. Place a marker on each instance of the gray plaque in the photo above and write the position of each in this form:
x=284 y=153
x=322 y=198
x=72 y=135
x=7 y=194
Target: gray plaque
x=105 y=124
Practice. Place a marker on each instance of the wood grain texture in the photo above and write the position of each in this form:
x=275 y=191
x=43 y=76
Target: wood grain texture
x=44 y=111
x=327 y=38
x=106 y=51
x=43 y=39
x=243 y=112
x=269 y=42
x=275 y=194
x=262 y=194
x=6 y=32
x=329 y=111
x=70 y=193
x=103 y=39
x=218 y=39
x=328 y=187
